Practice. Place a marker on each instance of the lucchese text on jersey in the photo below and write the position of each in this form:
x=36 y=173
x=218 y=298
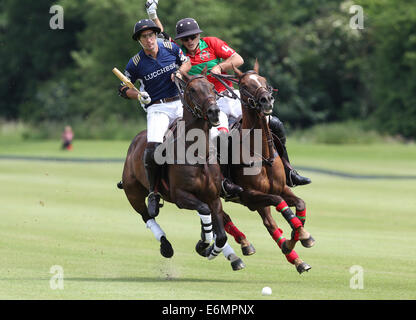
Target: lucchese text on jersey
x=159 y=72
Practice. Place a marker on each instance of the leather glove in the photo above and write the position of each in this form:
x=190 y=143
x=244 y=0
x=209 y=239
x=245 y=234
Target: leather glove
x=151 y=7
x=144 y=98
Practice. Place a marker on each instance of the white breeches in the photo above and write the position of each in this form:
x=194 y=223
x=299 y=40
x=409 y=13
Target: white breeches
x=229 y=108
x=159 y=117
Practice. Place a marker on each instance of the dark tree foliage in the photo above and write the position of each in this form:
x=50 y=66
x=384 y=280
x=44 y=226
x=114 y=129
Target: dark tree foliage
x=325 y=71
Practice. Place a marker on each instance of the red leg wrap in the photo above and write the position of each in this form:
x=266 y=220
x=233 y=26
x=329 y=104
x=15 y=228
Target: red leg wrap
x=292 y=256
x=233 y=230
x=284 y=209
x=278 y=237
x=282 y=205
x=296 y=235
x=296 y=223
x=301 y=215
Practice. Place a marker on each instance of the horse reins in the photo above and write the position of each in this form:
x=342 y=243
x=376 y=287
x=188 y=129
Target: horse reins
x=196 y=111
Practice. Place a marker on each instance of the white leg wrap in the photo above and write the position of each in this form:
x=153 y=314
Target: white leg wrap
x=206 y=222
x=227 y=250
x=216 y=251
x=155 y=228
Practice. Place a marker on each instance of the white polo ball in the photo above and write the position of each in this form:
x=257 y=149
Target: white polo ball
x=266 y=291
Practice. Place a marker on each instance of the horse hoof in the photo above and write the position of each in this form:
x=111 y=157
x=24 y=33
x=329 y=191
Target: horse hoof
x=303 y=267
x=238 y=264
x=202 y=248
x=285 y=249
x=166 y=249
x=308 y=243
x=248 y=250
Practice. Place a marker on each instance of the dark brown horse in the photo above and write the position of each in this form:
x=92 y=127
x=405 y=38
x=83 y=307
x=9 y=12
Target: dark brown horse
x=189 y=186
x=268 y=187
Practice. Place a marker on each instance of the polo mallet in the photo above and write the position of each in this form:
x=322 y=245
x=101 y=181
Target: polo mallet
x=125 y=80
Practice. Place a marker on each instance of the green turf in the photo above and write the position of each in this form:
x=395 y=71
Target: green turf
x=72 y=215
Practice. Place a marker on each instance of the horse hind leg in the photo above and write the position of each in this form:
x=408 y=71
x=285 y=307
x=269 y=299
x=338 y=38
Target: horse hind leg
x=229 y=254
x=186 y=200
x=221 y=243
x=136 y=194
x=246 y=247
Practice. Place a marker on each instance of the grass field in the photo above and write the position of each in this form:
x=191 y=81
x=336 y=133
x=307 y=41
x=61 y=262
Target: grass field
x=72 y=215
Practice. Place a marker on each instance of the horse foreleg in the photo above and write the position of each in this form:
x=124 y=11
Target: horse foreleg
x=277 y=235
x=246 y=247
x=221 y=236
x=255 y=200
x=186 y=200
x=299 y=234
x=293 y=201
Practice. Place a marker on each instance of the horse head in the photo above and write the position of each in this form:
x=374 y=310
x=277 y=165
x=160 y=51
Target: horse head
x=200 y=98
x=255 y=92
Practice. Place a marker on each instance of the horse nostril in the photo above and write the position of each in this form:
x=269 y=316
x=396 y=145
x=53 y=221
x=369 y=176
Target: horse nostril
x=213 y=111
x=263 y=100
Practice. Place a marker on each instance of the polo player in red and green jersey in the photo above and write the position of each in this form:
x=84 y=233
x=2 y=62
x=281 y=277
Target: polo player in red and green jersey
x=220 y=58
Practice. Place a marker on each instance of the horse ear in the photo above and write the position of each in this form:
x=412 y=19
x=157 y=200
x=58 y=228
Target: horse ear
x=204 y=71
x=237 y=72
x=256 y=66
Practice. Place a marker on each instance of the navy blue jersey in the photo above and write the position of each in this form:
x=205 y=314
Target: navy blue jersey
x=155 y=74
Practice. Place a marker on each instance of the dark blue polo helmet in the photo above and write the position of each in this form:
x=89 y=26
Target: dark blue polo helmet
x=143 y=25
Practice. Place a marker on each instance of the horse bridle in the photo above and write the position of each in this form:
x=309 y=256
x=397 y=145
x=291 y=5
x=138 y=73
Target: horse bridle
x=252 y=99
x=197 y=110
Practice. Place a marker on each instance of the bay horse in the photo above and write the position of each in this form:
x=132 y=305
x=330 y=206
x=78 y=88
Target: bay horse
x=268 y=187
x=189 y=186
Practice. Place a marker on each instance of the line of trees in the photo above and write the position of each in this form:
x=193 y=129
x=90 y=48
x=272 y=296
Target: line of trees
x=325 y=71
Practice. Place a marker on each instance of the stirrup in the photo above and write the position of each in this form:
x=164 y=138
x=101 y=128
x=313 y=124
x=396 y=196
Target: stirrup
x=292 y=183
x=289 y=181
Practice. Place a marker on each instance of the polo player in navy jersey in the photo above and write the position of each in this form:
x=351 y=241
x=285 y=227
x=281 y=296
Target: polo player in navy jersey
x=154 y=67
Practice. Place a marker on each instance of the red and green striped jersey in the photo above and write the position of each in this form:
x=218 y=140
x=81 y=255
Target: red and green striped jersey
x=211 y=51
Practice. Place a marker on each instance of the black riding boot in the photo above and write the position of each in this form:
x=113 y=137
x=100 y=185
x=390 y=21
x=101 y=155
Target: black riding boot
x=292 y=177
x=152 y=173
x=229 y=190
